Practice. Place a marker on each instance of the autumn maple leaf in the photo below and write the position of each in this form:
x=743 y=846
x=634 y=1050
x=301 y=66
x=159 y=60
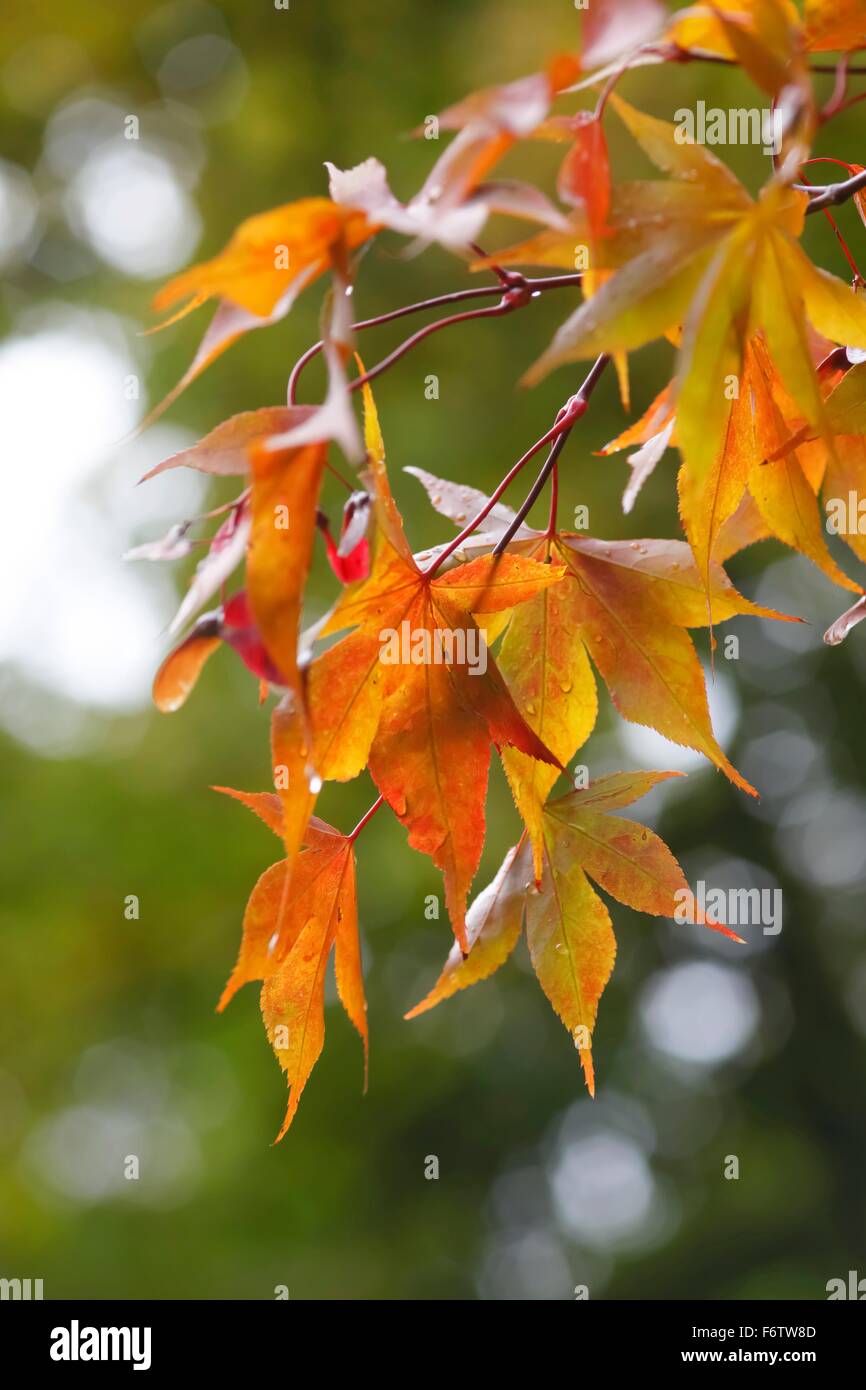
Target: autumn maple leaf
x=256 y=279
x=724 y=267
x=423 y=727
x=764 y=36
x=623 y=607
x=318 y=915
x=225 y=451
x=753 y=31
x=834 y=25
x=263 y=624
x=613 y=27
x=568 y=928
x=751 y=465
x=268 y=255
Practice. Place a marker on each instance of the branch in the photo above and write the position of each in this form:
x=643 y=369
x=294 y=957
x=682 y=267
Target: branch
x=548 y=467
x=557 y=428
x=567 y=419
x=846 y=250
x=511 y=300
x=554 y=501
x=676 y=54
x=517 y=282
x=832 y=194
x=837 y=102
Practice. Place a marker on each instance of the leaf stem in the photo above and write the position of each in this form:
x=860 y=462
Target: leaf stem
x=548 y=467
x=494 y=497
x=568 y=417
x=837 y=103
x=569 y=414
x=368 y=815
x=554 y=500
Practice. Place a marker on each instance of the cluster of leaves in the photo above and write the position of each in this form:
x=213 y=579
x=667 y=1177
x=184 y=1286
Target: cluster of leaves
x=691 y=257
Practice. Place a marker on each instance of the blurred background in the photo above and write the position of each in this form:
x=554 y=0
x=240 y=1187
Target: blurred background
x=109 y=1044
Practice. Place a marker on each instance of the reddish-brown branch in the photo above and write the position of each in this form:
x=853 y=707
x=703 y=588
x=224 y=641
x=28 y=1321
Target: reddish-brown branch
x=836 y=101
x=846 y=250
x=554 y=500
x=513 y=281
x=548 y=467
x=829 y=159
x=674 y=53
x=852 y=101
x=476 y=521
x=455 y=297
x=511 y=300
x=562 y=425
x=609 y=86
x=567 y=418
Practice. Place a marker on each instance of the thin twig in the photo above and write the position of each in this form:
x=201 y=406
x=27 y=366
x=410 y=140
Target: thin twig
x=846 y=250
x=851 y=101
x=836 y=101
x=494 y=497
x=455 y=297
x=554 y=501
x=548 y=467
x=567 y=418
x=534 y=285
x=511 y=300
x=832 y=194
x=701 y=55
